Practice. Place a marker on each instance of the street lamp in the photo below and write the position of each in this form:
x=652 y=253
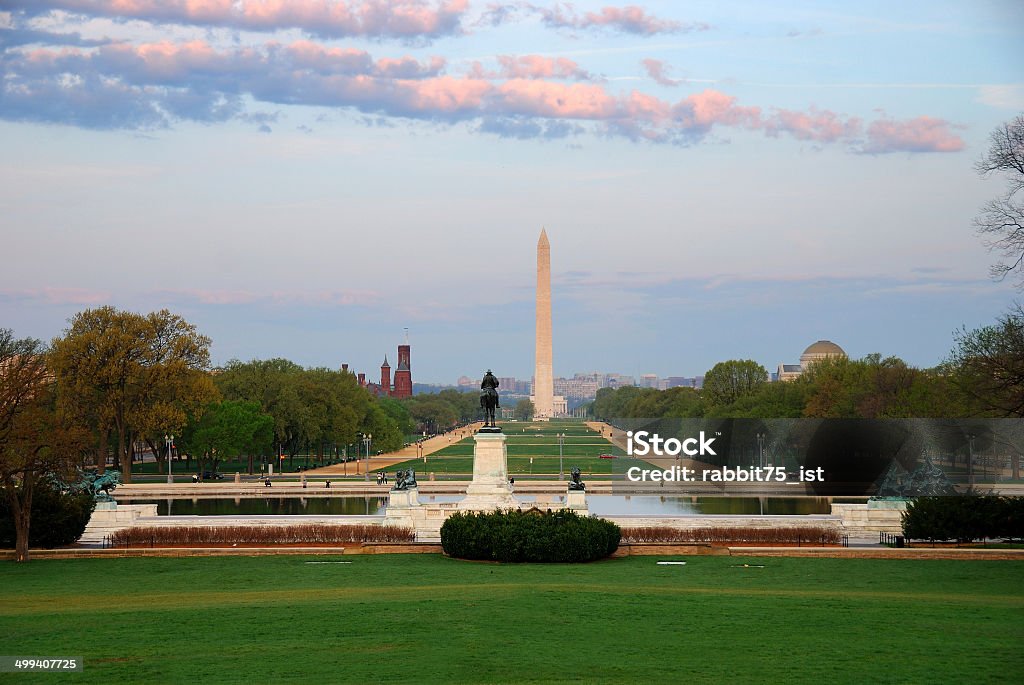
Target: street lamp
x=169 y=442
x=561 y=471
x=970 y=460
x=367 y=439
x=760 y=449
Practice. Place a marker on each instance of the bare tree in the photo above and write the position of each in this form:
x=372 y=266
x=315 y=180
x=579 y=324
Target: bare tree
x=1001 y=222
x=34 y=438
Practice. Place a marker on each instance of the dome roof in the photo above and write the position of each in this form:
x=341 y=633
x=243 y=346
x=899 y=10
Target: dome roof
x=824 y=347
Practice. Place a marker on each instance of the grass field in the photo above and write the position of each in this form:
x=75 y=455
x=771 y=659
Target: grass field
x=526 y=441
x=426 y=618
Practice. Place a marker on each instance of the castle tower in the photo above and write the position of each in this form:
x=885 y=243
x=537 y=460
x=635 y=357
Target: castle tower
x=543 y=381
x=385 y=377
x=403 y=374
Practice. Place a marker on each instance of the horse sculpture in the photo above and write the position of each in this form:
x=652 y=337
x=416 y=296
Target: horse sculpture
x=489 y=398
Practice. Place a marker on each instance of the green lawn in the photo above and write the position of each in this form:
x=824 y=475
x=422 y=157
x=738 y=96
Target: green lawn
x=424 y=619
x=516 y=465
x=582 y=448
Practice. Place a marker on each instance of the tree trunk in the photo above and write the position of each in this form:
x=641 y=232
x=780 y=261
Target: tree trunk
x=101 y=461
x=21 y=508
x=161 y=458
x=124 y=456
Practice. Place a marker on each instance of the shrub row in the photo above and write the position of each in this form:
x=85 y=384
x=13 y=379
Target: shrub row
x=964 y=518
x=265 y=535
x=528 y=536
x=57 y=518
x=789 y=535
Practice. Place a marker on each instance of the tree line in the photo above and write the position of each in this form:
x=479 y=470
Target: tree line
x=982 y=376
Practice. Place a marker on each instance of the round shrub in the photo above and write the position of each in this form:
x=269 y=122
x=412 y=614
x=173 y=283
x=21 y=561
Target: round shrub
x=528 y=536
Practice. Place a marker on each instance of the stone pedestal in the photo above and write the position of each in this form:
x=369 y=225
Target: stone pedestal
x=403 y=508
x=490 y=488
x=577 y=501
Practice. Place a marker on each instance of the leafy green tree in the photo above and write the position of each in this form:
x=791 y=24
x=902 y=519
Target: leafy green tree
x=728 y=381
x=433 y=413
x=523 y=410
x=131 y=373
x=399 y=412
x=227 y=430
x=613 y=403
x=988 y=365
x=767 y=401
x=878 y=388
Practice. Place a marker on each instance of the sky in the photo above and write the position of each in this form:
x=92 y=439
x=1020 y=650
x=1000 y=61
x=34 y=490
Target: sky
x=309 y=179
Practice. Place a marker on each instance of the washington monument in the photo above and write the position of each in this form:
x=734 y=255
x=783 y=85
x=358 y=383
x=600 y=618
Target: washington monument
x=543 y=385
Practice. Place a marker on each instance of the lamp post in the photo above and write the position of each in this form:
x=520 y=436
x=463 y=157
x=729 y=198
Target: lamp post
x=970 y=460
x=169 y=442
x=367 y=439
x=561 y=470
x=760 y=449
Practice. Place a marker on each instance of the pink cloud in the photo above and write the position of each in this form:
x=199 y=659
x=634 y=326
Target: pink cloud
x=328 y=18
x=658 y=71
x=705 y=109
x=629 y=19
x=814 y=124
x=923 y=134
x=555 y=100
x=444 y=95
x=132 y=86
x=537 y=67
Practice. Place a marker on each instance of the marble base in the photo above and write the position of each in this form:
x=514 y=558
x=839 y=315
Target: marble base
x=577 y=501
x=490 y=488
x=403 y=508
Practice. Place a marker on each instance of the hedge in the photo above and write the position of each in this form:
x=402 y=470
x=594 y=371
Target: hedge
x=757 y=535
x=964 y=518
x=528 y=536
x=312 y=533
x=57 y=519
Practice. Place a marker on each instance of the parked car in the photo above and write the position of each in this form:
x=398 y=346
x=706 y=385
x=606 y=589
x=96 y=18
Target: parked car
x=212 y=475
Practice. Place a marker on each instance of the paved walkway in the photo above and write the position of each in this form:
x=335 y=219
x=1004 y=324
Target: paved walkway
x=382 y=461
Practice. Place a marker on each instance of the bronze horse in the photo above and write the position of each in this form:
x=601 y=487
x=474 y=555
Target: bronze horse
x=489 y=398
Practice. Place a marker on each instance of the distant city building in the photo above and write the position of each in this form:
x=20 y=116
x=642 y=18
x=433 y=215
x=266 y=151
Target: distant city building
x=683 y=382
x=649 y=380
x=823 y=349
x=617 y=380
x=576 y=388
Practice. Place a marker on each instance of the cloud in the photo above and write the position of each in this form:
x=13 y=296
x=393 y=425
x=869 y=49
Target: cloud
x=923 y=134
x=58 y=296
x=658 y=71
x=152 y=85
x=14 y=36
x=563 y=15
x=313 y=298
x=817 y=125
x=1005 y=96
x=404 y=19
x=628 y=19
x=539 y=67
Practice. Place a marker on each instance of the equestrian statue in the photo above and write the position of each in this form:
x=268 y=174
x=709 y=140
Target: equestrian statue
x=489 y=398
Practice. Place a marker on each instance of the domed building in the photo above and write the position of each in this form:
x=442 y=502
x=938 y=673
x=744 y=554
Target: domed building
x=823 y=349
x=820 y=350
